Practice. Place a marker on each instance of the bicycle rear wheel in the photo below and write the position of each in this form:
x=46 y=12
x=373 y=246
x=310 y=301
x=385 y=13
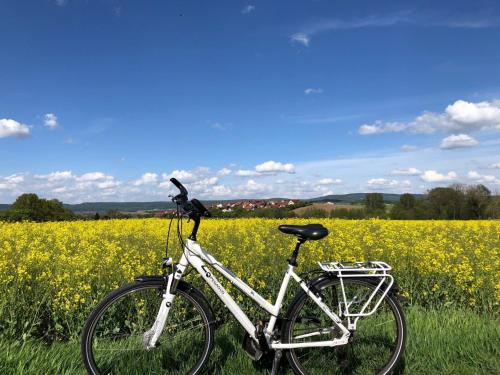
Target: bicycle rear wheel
x=374 y=348
x=113 y=337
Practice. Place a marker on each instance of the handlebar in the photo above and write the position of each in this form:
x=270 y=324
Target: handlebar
x=191 y=207
x=179 y=186
x=201 y=208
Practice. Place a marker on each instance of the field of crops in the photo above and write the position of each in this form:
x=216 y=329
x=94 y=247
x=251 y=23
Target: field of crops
x=52 y=274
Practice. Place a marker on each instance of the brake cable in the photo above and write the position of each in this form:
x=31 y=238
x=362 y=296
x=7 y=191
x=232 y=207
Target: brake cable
x=168 y=236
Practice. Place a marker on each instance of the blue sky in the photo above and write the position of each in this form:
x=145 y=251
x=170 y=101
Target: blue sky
x=104 y=100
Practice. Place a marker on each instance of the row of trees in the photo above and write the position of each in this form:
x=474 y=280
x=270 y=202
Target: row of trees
x=454 y=202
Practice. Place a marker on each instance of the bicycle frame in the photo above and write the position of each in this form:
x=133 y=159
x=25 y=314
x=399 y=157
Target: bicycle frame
x=196 y=256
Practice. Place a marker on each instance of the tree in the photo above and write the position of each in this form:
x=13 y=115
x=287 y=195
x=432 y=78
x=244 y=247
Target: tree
x=446 y=203
x=477 y=200
x=493 y=210
x=30 y=207
x=405 y=208
x=374 y=203
x=407 y=201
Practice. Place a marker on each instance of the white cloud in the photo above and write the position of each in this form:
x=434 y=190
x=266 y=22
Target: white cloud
x=274 y=167
x=14 y=179
x=460 y=116
x=62 y=189
x=474 y=116
x=473 y=175
x=388 y=20
x=93 y=176
x=224 y=172
x=300 y=38
x=246 y=173
x=108 y=184
x=379 y=127
x=220 y=191
x=406 y=172
x=408 y=148
x=329 y=181
x=253 y=186
x=311 y=91
x=434 y=176
x=50 y=121
x=383 y=183
x=479 y=178
x=56 y=176
x=267 y=168
x=12 y=128
x=147 y=178
x=208 y=181
x=458 y=141
x=182 y=175
x=248 y=9
x=495 y=166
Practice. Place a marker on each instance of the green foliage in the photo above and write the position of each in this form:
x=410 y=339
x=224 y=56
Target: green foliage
x=407 y=201
x=477 y=200
x=315 y=212
x=454 y=202
x=446 y=203
x=493 y=209
x=374 y=203
x=29 y=207
x=114 y=214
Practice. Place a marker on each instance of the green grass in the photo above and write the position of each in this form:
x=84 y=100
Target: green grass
x=439 y=342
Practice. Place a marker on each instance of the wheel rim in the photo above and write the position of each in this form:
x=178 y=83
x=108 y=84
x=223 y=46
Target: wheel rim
x=374 y=346
x=116 y=338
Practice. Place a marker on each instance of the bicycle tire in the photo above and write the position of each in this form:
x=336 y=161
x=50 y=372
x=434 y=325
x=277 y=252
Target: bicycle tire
x=335 y=359
x=186 y=296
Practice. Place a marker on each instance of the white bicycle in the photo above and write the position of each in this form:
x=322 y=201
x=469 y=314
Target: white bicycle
x=345 y=319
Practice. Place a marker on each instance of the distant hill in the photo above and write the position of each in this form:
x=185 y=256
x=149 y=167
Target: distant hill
x=358 y=197
x=119 y=206
x=101 y=207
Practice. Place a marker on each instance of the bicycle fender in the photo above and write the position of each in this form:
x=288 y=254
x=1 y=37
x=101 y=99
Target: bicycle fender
x=146 y=278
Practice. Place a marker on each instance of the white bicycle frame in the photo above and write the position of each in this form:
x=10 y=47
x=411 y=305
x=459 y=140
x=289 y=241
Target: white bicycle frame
x=196 y=256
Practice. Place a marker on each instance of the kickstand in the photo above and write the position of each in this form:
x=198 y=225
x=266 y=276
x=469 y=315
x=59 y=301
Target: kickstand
x=276 y=362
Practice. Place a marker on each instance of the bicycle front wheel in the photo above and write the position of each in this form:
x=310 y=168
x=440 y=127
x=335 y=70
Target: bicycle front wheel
x=113 y=340
x=375 y=347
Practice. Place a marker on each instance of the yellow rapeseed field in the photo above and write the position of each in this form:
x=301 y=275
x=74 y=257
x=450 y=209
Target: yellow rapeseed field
x=52 y=274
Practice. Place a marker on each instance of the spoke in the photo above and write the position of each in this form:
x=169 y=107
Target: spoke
x=188 y=329
x=185 y=323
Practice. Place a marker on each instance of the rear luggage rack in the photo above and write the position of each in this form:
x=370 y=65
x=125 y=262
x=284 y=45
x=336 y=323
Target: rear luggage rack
x=370 y=268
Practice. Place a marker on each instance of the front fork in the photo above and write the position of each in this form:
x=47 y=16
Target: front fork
x=151 y=336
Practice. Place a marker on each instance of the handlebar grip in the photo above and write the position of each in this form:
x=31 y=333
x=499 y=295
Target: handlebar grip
x=179 y=186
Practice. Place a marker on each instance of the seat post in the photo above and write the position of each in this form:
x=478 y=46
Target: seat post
x=293 y=260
